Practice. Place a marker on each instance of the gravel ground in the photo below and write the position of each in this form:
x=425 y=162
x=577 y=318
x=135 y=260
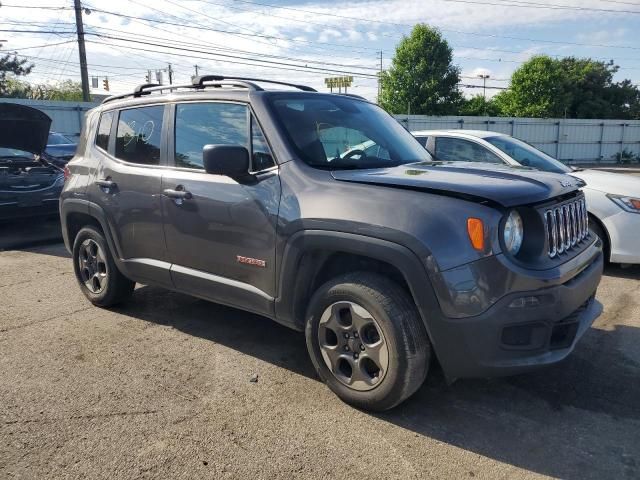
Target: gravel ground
x=161 y=388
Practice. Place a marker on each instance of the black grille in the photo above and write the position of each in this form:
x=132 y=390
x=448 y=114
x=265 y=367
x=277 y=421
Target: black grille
x=567 y=225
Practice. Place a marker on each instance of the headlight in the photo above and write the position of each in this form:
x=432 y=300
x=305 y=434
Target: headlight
x=513 y=232
x=628 y=204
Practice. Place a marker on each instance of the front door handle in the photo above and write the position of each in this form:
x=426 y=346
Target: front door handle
x=177 y=194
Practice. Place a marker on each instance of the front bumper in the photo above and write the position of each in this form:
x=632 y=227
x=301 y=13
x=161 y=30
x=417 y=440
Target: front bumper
x=517 y=333
x=623 y=229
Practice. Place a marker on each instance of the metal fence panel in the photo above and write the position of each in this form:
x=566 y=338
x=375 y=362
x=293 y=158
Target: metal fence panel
x=569 y=140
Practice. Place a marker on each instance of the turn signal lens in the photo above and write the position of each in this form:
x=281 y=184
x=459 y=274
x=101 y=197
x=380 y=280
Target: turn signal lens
x=475 y=228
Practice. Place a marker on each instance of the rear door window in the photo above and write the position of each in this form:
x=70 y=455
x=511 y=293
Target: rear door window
x=104 y=130
x=451 y=149
x=423 y=141
x=139 y=134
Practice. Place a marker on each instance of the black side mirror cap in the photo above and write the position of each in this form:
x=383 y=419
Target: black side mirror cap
x=229 y=160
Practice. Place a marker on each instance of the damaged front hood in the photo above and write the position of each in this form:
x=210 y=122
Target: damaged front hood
x=23 y=128
x=505 y=185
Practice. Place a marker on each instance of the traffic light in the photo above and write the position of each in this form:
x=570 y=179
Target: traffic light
x=105 y=84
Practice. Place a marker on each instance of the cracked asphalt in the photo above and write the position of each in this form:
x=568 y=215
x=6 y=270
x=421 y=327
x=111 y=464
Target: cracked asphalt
x=161 y=388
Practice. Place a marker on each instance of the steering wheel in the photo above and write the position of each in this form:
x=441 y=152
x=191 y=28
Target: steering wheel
x=353 y=153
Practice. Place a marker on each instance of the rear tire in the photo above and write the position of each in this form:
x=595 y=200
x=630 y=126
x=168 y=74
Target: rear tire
x=97 y=274
x=367 y=340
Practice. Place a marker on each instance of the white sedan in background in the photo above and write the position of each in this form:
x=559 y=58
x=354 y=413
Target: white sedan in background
x=613 y=199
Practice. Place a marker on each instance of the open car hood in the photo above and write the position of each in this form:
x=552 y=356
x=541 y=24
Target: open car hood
x=502 y=184
x=23 y=128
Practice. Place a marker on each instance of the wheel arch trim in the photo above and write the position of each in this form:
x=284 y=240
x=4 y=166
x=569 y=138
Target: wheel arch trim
x=406 y=261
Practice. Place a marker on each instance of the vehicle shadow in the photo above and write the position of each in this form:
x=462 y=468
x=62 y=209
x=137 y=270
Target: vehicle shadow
x=631 y=272
x=29 y=232
x=558 y=421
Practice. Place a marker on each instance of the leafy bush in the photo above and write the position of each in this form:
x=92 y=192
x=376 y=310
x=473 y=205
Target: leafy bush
x=625 y=157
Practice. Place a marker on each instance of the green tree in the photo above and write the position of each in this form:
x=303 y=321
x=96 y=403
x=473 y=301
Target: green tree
x=479 y=106
x=421 y=78
x=10 y=64
x=68 y=90
x=568 y=87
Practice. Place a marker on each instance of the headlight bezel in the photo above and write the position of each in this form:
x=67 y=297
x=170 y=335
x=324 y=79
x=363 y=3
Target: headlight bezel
x=625 y=202
x=512 y=223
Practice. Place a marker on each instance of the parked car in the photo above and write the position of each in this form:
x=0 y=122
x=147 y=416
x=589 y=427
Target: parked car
x=60 y=148
x=240 y=195
x=29 y=185
x=613 y=199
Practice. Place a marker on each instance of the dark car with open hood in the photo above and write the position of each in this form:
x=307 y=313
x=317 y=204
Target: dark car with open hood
x=321 y=212
x=29 y=184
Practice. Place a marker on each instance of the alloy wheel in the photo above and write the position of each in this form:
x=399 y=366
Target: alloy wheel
x=93 y=266
x=353 y=346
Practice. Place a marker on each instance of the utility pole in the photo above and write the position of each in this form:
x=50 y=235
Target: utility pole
x=84 y=75
x=380 y=78
x=484 y=77
x=170 y=71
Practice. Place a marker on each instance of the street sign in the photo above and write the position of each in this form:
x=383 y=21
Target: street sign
x=338 y=82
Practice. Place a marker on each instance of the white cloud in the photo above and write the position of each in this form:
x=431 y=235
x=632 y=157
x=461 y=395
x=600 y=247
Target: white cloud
x=329 y=34
x=280 y=31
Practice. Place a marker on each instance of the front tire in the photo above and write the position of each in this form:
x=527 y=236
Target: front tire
x=97 y=274
x=367 y=341
x=595 y=227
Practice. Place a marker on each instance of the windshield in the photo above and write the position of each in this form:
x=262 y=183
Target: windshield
x=335 y=132
x=14 y=153
x=58 y=139
x=526 y=155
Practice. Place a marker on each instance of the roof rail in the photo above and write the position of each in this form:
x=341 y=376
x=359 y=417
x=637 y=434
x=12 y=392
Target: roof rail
x=203 y=81
x=139 y=90
x=199 y=81
x=148 y=88
x=353 y=95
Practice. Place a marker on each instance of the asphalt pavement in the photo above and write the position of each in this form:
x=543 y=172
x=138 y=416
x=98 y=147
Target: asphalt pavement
x=161 y=388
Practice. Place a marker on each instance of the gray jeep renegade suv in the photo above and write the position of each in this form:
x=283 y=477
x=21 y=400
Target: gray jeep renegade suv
x=322 y=213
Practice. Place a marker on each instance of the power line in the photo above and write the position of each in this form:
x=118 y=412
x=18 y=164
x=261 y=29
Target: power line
x=227 y=49
x=545 y=6
x=44 y=45
x=295 y=68
x=244 y=35
x=405 y=25
x=359 y=19
x=40 y=7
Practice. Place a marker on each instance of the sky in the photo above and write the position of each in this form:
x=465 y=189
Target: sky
x=308 y=41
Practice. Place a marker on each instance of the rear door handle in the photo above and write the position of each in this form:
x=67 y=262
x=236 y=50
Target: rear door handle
x=106 y=184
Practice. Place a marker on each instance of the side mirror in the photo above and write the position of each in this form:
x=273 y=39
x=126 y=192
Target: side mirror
x=229 y=160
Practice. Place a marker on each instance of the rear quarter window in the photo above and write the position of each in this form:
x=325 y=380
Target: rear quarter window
x=104 y=129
